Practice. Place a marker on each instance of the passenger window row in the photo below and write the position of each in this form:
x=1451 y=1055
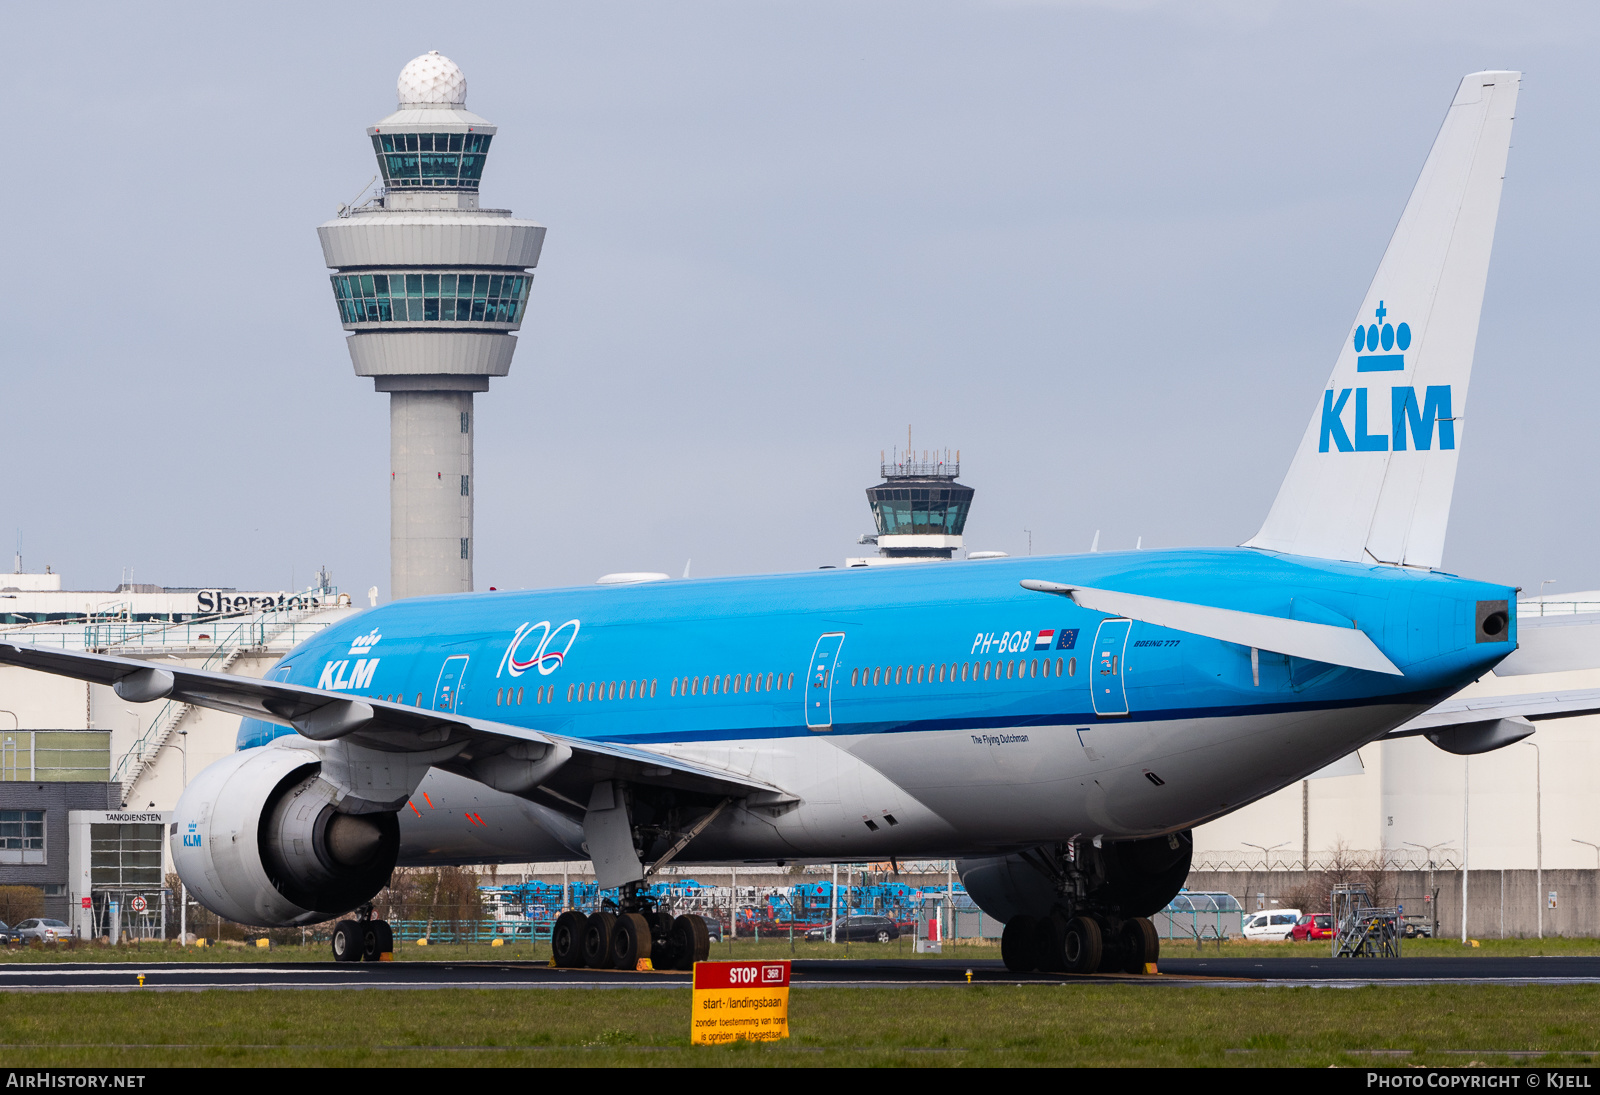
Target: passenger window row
x=1021 y=669
x=730 y=684
x=636 y=689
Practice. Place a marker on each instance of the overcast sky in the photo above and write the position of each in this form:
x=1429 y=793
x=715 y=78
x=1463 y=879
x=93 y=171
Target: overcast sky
x=1107 y=250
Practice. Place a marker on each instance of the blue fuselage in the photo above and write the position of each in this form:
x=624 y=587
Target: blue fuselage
x=951 y=682
x=957 y=648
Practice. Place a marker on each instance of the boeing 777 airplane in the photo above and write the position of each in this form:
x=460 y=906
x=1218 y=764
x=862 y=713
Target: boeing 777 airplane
x=1059 y=724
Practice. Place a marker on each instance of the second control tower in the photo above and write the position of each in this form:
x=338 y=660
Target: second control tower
x=919 y=508
x=431 y=286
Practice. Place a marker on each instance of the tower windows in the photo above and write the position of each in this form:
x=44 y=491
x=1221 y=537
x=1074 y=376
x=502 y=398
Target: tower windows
x=466 y=422
x=448 y=161
x=463 y=489
x=464 y=554
x=431 y=297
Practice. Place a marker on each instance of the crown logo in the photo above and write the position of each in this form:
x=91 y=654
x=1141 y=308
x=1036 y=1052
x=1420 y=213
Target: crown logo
x=1375 y=341
x=363 y=643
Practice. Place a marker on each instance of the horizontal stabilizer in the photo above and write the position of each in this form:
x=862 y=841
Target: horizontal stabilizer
x=1348 y=646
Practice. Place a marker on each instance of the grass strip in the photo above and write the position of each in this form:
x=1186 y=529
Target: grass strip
x=1041 y=1025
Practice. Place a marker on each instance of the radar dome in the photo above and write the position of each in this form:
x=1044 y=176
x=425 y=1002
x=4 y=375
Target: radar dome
x=432 y=79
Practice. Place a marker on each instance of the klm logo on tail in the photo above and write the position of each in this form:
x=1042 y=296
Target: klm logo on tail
x=1385 y=337
x=1407 y=414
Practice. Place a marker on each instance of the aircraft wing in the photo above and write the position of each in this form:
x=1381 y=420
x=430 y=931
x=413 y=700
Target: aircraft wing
x=1533 y=706
x=1480 y=724
x=508 y=758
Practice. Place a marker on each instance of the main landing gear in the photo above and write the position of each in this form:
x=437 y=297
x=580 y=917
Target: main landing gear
x=362 y=939
x=1084 y=943
x=624 y=932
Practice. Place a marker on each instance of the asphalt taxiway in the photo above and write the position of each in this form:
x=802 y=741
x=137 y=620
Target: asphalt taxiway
x=806 y=973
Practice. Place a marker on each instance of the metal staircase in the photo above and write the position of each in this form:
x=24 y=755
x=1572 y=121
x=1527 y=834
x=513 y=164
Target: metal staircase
x=253 y=634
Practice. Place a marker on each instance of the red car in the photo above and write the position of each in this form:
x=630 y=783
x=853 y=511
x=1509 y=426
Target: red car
x=1312 y=926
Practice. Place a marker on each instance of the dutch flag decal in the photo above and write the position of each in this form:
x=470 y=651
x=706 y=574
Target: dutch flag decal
x=1043 y=640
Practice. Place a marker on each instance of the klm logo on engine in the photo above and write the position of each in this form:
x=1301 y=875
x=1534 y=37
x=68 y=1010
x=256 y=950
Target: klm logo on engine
x=1349 y=413
x=191 y=839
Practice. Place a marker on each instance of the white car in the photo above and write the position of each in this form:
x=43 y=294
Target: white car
x=45 y=931
x=1272 y=924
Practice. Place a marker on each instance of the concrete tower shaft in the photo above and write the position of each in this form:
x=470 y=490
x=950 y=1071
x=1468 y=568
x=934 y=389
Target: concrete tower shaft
x=430 y=498
x=431 y=286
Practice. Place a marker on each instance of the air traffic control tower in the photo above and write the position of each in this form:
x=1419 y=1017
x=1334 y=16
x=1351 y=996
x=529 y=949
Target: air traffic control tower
x=919 y=508
x=430 y=287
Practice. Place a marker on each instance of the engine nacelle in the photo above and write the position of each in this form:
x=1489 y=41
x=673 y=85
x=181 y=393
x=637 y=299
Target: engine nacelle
x=1127 y=878
x=259 y=840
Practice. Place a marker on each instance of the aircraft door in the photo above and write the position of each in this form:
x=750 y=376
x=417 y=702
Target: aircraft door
x=447 y=693
x=1110 y=648
x=819 y=681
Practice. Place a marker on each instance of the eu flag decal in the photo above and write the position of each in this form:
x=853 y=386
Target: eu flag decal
x=1066 y=638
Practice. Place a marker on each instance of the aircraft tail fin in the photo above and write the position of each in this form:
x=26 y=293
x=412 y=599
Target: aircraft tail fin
x=1375 y=470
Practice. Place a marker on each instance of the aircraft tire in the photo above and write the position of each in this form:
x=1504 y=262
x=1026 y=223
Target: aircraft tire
x=630 y=941
x=1140 y=945
x=662 y=954
x=597 y=940
x=377 y=940
x=1050 y=941
x=1019 y=946
x=566 y=939
x=1083 y=945
x=691 y=940
x=347 y=941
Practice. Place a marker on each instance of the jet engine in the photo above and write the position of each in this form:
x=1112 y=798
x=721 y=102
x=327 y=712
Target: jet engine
x=1129 y=878
x=259 y=839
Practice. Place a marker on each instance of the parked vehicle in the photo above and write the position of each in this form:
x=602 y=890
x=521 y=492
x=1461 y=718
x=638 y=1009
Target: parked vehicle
x=1313 y=926
x=8 y=934
x=858 y=929
x=1275 y=924
x=46 y=931
x=1416 y=927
